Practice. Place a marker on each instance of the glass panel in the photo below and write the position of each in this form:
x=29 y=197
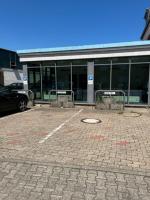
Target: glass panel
x=79 y=62
x=102 y=77
x=139 y=84
x=120 y=78
x=63 y=78
x=120 y=60
x=34 y=81
x=79 y=83
x=48 y=63
x=48 y=81
x=33 y=64
x=139 y=59
x=63 y=63
x=102 y=61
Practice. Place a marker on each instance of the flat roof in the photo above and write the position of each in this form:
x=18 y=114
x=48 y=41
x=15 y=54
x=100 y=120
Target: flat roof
x=86 y=47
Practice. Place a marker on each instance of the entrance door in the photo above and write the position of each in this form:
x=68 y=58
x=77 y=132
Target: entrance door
x=79 y=83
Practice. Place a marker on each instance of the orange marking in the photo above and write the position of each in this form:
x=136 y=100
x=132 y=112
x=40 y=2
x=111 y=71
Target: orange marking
x=97 y=137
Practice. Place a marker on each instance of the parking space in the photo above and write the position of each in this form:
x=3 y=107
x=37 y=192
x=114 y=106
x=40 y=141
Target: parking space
x=110 y=157
x=58 y=135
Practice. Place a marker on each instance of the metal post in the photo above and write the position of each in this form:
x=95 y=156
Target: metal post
x=41 y=76
x=55 y=77
x=129 y=82
x=71 y=76
x=149 y=88
x=90 y=82
x=110 y=75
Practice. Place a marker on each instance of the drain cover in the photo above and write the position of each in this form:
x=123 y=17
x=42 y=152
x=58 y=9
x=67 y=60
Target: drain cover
x=91 y=121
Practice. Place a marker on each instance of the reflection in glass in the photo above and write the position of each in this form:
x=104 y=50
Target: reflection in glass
x=120 y=78
x=79 y=82
x=63 y=78
x=101 y=61
x=48 y=82
x=139 y=84
x=34 y=81
x=102 y=77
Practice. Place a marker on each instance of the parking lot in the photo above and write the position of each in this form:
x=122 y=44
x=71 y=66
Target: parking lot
x=49 y=153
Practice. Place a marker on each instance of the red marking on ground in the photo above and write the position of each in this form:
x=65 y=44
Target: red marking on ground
x=122 y=143
x=14 y=142
x=97 y=137
x=40 y=133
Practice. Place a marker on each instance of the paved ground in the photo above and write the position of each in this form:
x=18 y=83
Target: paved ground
x=48 y=153
x=24 y=181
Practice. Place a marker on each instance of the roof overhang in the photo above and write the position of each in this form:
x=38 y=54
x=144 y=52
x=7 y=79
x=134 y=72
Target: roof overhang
x=90 y=52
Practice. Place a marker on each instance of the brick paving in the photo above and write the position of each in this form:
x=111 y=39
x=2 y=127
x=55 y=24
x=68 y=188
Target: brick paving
x=22 y=181
x=109 y=160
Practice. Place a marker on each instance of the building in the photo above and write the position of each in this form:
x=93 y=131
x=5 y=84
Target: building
x=86 y=69
x=10 y=67
x=146 y=32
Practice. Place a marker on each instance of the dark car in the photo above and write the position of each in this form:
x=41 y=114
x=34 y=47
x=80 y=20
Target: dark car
x=12 y=99
x=16 y=86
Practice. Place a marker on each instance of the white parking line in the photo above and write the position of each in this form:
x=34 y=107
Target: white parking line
x=59 y=127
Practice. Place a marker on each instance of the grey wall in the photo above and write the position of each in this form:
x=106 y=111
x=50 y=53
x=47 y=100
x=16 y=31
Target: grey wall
x=25 y=77
x=90 y=82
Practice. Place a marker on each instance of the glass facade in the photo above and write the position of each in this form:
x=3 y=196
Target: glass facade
x=120 y=78
x=48 y=81
x=102 y=77
x=79 y=83
x=63 y=78
x=139 y=84
x=34 y=81
x=130 y=74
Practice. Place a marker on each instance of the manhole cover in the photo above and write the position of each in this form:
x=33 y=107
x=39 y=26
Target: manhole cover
x=91 y=121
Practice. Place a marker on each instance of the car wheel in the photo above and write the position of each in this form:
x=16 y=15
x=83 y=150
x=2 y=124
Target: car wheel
x=22 y=105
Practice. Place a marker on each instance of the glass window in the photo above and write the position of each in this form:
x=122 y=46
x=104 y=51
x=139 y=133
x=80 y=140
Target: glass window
x=63 y=63
x=33 y=64
x=79 y=62
x=139 y=59
x=48 y=81
x=120 y=60
x=48 y=63
x=102 y=61
x=79 y=83
x=102 y=77
x=34 y=81
x=120 y=78
x=63 y=78
x=139 y=84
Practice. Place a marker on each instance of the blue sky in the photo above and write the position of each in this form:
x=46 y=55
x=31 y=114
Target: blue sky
x=28 y=24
